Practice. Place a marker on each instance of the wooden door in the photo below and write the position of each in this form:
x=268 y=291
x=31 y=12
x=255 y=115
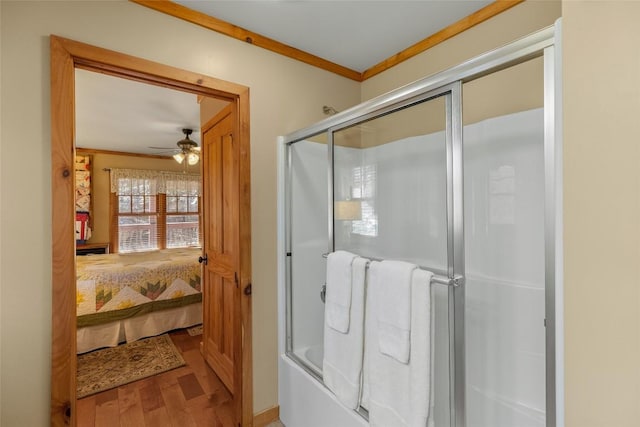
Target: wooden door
x=221 y=290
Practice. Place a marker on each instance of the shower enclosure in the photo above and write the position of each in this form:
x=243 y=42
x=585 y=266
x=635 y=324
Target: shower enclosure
x=466 y=189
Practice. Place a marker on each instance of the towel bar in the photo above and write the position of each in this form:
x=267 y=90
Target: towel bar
x=456 y=280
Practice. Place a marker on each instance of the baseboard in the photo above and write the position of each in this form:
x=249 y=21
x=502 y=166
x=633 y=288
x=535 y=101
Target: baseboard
x=261 y=419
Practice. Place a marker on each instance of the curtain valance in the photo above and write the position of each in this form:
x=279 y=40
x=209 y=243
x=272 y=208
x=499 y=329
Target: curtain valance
x=156 y=182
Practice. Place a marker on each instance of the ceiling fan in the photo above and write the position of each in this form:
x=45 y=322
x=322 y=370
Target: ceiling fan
x=187 y=149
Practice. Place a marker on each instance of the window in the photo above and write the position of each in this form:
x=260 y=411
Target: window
x=137 y=215
x=182 y=213
x=364 y=189
x=154 y=210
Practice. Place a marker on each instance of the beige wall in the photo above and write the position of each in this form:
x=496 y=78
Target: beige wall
x=602 y=212
x=490 y=96
x=517 y=88
x=285 y=95
x=101 y=185
x=516 y=22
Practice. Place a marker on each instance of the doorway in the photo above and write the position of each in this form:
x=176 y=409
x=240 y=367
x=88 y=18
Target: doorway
x=66 y=56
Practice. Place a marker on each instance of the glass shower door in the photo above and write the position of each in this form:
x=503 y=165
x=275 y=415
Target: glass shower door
x=505 y=247
x=390 y=186
x=391 y=201
x=308 y=207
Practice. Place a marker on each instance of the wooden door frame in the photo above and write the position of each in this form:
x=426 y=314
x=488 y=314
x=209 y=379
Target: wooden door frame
x=66 y=56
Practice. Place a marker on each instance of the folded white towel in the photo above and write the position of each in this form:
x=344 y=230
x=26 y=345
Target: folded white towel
x=394 y=314
x=342 y=363
x=398 y=394
x=338 y=296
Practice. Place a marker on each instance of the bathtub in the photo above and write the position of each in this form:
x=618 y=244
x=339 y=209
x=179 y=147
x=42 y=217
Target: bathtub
x=308 y=402
x=305 y=401
x=313 y=355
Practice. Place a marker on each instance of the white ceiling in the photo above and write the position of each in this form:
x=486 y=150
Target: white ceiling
x=355 y=34
x=121 y=115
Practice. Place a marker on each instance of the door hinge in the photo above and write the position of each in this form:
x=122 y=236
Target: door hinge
x=235 y=275
x=247 y=289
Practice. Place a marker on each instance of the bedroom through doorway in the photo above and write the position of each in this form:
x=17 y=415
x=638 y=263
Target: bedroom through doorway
x=138 y=210
x=142 y=216
x=138 y=239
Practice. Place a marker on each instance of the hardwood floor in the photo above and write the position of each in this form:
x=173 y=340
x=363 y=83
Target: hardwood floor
x=190 y=396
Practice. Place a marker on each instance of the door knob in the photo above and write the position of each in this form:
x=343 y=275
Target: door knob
x=204 y=259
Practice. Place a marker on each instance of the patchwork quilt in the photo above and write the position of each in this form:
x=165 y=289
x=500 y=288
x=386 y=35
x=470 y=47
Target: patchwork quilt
x=117 y=286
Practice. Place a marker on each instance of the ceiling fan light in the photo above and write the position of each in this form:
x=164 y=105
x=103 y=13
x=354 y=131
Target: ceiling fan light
x=193 y=158
x=179 y=157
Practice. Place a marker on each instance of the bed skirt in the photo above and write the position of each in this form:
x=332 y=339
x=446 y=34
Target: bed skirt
x=127 y=330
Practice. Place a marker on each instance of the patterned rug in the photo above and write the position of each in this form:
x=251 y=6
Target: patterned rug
x=109 y=368
x=196 y=330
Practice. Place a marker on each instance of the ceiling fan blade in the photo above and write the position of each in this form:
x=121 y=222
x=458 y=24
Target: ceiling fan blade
x=165 y=151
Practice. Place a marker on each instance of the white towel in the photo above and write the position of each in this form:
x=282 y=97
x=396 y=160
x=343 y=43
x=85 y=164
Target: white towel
x=342 y=363
x=338 y=296
x=394 y=314
x=432 y=360
x=398 y=394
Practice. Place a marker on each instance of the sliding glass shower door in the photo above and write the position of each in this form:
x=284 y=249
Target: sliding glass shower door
x=390 y=202
x=307 y=226
x=505 y=247
x=390 y=185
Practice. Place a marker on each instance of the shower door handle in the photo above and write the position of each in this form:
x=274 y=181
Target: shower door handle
x=323 y=293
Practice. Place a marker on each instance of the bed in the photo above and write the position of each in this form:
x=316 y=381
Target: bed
x=125 y=297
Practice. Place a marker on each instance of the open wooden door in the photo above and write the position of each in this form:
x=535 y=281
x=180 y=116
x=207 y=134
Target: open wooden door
x=225 y=279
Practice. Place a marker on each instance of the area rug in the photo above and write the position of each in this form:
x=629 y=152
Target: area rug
x=196 y=330
x=109 y=368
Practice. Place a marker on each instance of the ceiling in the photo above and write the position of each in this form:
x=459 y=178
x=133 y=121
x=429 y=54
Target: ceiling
x=121 y=115
x=356 y=34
